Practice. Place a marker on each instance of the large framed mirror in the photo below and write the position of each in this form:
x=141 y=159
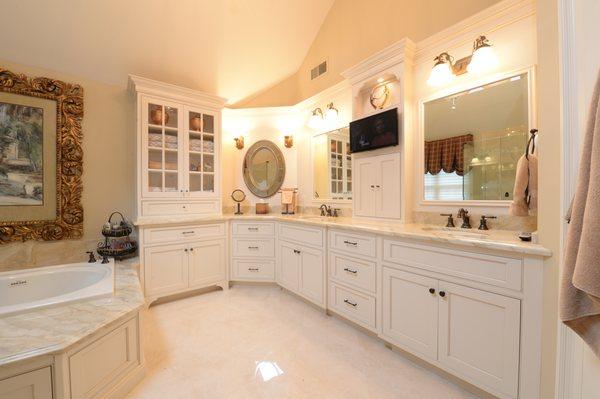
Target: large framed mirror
x=264 y=169
x=473 y=139
x=332 y=166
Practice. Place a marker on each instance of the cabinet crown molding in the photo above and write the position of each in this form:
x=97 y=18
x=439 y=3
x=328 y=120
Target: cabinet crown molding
x=139 y=84
x=401 y=51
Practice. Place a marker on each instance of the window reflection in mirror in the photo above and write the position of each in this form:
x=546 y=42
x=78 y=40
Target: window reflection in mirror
x=332 y=165
x=473 y=141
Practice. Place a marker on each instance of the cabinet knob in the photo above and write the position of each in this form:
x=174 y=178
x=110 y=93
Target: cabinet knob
x=192 y=249
x=442 y=294
x=378 y=186
x=432 y=291
x=372 y=186
x=186 y=250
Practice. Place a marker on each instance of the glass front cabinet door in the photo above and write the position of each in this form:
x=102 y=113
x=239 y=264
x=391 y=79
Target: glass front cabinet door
x=180 y=150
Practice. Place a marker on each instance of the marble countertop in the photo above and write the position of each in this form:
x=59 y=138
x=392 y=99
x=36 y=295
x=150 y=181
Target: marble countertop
x=54 y=329
x=501 y=240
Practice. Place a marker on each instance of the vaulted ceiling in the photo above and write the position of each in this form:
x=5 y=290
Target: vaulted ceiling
x=232 y=48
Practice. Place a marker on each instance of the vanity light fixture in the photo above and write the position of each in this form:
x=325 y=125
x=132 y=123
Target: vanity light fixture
x=331 y=114
x=316 y=119
x=239 y=142
x=288 y=141
x=481 y=59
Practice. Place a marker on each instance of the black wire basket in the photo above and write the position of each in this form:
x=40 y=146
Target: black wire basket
x=117 y=242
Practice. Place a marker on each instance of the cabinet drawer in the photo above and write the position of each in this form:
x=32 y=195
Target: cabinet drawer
x=31 y=385
x=358 y=307
x=164 y=208
x=301 y=234
x=160 y=235
x=254 y=269
x=357 y=273
x=491 y=269
x=253 y=229
x=254 y=247
x=356 y=244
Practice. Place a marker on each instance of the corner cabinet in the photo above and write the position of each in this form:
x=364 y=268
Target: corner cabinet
x=178 y=149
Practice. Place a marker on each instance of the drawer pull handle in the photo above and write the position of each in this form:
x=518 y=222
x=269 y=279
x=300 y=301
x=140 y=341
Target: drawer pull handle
x=432 y=290
x=253 y=269
x=350 y=270
x=442 y=294
x=252 y=228
x=255 y=248
x=187 y=232
x=350 y=243
x=354 y=304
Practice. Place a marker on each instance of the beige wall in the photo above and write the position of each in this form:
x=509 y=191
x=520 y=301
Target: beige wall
x=550 y=202
x=108 y=170
x=354 y=30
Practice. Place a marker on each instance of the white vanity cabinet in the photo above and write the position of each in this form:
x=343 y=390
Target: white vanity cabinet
x=377 y=186
x=36 y=384
x=253 y=250
x=301 y=261
x=181 y=258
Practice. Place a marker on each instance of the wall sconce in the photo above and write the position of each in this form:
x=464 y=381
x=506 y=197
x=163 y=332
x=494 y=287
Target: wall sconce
x=316 y=118
x=481 y=59
x=331 y=114
x=288 y=141
x=239 y=142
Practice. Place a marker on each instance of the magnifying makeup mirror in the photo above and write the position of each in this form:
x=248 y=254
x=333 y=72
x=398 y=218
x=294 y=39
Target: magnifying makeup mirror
x=238 y=196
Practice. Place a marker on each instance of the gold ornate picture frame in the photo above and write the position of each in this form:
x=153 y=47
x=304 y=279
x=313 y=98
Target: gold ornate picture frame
x=67 y=219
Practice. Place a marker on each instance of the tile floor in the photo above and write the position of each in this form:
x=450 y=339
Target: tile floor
x=261 y=342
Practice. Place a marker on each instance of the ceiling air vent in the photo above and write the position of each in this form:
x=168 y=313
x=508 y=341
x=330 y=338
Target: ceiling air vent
x=318 y=70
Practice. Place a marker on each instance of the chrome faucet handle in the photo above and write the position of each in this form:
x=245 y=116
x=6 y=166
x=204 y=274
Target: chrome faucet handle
x=450 y=222
x=335 y=212
x=92 y=258
x=483 y=222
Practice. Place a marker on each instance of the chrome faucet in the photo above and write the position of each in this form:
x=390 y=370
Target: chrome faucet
x=450 y=221
x=483 y=222
x=325 y=210
x=466 y=220
x=92 y=258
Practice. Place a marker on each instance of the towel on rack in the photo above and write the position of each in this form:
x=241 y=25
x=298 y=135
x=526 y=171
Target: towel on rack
x=525 y=191
x=580 y=281
x=287 y=196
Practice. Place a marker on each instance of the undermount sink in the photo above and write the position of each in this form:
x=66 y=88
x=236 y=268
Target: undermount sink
x=455 y=232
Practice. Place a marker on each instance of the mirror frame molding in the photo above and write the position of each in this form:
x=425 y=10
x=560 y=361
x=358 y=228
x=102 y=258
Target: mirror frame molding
x=68 y=223
x=254 y=148
x=312 y=172
x=532 y=121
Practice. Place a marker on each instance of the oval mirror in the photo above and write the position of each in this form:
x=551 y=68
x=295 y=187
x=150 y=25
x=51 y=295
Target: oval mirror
x=264 y=169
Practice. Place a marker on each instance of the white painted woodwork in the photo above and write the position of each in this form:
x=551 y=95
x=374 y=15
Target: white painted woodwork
x=206 y=260
x=354 y=305
x=302 y=234
x=410 y=311
x=312 y=275
x=479 y=336
x=171 y=208
x=35 y=384
x=355 y=244
x=378 y=186
x=95 y=367
x=288 y=266
x=352 y=271
x=165 y=269
x=495 y=270
x=253 y=247
x=253 y=269
x=162 y=235
x=253 y=229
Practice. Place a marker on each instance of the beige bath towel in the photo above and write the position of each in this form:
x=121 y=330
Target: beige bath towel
x=287 y=196
x=580 y=282
x=525 y=191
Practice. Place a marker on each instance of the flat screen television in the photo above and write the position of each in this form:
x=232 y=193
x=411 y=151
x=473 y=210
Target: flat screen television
x=375 y=131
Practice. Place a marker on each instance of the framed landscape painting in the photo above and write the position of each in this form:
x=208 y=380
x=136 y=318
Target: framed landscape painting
x=40 y=158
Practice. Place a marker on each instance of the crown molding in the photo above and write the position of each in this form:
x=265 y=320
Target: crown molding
x=139 y=84
x=401 y=51
x=491 y=19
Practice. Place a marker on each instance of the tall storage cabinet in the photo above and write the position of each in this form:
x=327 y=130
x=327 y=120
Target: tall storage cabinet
x=178 y=133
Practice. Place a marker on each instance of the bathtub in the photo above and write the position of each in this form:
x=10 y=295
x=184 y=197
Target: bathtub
x=29 y=289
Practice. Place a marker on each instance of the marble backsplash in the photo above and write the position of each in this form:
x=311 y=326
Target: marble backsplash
x=504 y=222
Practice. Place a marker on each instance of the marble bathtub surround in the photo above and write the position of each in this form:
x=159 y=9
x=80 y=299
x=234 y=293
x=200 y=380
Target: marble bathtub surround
x=53 y=330
x=502 y=240
x=503 y=222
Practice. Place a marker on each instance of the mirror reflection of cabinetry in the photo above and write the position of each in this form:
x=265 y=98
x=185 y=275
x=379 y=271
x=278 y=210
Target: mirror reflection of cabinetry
x=332 y=165
x=473 y=140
